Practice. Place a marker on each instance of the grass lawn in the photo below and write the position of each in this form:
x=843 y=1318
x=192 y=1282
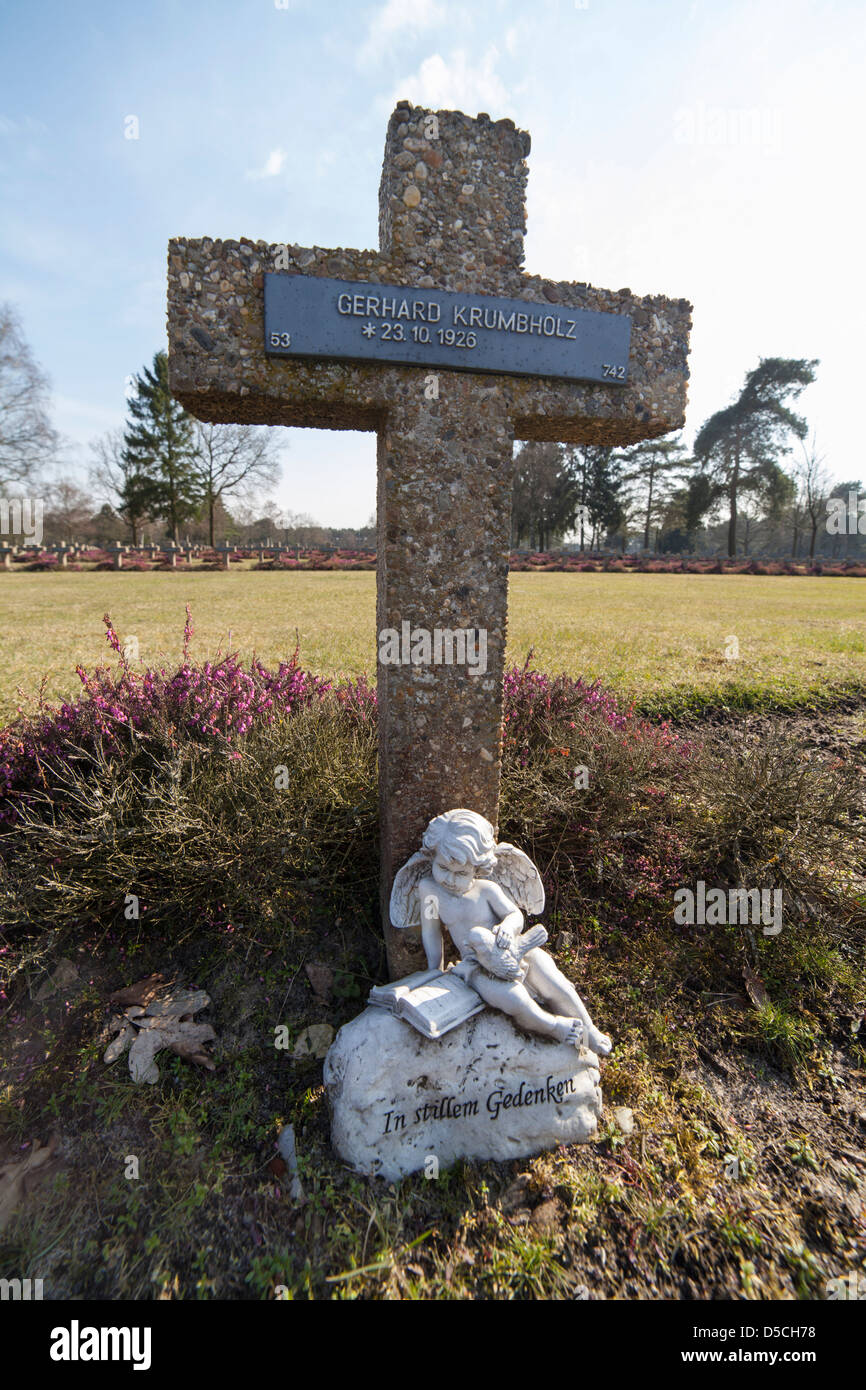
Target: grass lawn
x=660 y=638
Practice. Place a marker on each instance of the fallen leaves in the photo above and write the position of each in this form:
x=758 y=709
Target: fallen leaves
x=314 y=1041
x=19 y=1176
x=321 y=978
x=139 y=994
x=754 y=986
x=149 y=1024
x=63 y=977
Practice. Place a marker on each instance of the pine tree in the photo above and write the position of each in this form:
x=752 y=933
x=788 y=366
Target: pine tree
x=650 y=468
x=738 y=447
x=158 y=451
x=544 y=495
x=598 y=484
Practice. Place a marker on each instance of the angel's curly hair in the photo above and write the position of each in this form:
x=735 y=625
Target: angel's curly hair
x=462 y=835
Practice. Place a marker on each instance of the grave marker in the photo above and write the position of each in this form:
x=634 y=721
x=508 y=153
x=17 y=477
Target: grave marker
x=265 y=334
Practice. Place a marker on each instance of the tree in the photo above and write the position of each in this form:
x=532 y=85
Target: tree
x=683 y=514
x=158 y=448
x=797 y=520
x=27 y=439
x=69 y=511
x=648 y=473
x=544 y=496
x=117 y=476
x=813 y=487
x=227 y=458
x=299 y=528
x=598 y=479
x=738 y=446
x=106 y=526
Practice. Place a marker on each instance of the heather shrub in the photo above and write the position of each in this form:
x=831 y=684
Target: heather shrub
x=661 y=809
x=762 y=815
x=615 y=837
x=239 y=800
x=164 y=785
x=144 y=711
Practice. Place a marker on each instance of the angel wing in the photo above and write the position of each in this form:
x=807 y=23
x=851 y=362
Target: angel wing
x=405 y=909
x=515 y=872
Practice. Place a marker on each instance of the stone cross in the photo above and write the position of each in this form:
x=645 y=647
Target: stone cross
x=451 y=217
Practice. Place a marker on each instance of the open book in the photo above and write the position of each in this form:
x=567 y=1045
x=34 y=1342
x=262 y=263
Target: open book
x=433 y=1001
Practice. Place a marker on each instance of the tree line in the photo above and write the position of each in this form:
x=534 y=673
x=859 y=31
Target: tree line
x=753 y=483
x=164 y=471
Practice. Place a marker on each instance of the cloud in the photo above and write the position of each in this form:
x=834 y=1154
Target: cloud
x=272 y=166
x=398 y=20
x=457 y=83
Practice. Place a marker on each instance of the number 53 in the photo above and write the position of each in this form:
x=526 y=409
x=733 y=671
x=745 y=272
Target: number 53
x=281 y=340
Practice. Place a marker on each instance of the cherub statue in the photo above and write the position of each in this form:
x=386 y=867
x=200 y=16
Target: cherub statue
x=464 y=881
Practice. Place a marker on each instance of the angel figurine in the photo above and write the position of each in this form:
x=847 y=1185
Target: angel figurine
x=464 y=881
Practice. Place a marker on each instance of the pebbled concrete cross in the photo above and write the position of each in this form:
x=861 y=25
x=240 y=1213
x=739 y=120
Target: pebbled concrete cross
x=451 y=217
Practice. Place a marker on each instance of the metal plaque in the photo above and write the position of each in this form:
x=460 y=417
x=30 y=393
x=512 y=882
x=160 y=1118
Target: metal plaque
x=349 y=320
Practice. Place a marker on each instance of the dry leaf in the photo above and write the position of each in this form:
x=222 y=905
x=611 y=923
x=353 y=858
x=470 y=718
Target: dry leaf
x=188 y=1039
x=166 y=1023
x=712 y=1061
x=321 y=977
x=19 y=1176
x=121 y=1042
x=64 y=974
x=142 y=1066
x=314 y=1041
x=140 y=993
x=288 y=1154
x=624 y=1118
x=754 y=987
x=182 y=1003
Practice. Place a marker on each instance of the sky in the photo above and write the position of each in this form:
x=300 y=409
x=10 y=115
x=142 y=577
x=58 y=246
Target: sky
x=704 y=149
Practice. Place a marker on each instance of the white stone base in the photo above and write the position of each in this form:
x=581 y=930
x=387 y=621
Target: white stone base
x=484 y=1091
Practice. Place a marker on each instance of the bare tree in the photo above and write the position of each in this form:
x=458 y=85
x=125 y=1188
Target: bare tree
x=69 y=511
x=798 y=523
x=230 y=458
x=813 y=488
x=117 y=479
x=27 y=439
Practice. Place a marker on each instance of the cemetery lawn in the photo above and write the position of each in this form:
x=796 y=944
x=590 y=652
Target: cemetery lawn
x=657 y=639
